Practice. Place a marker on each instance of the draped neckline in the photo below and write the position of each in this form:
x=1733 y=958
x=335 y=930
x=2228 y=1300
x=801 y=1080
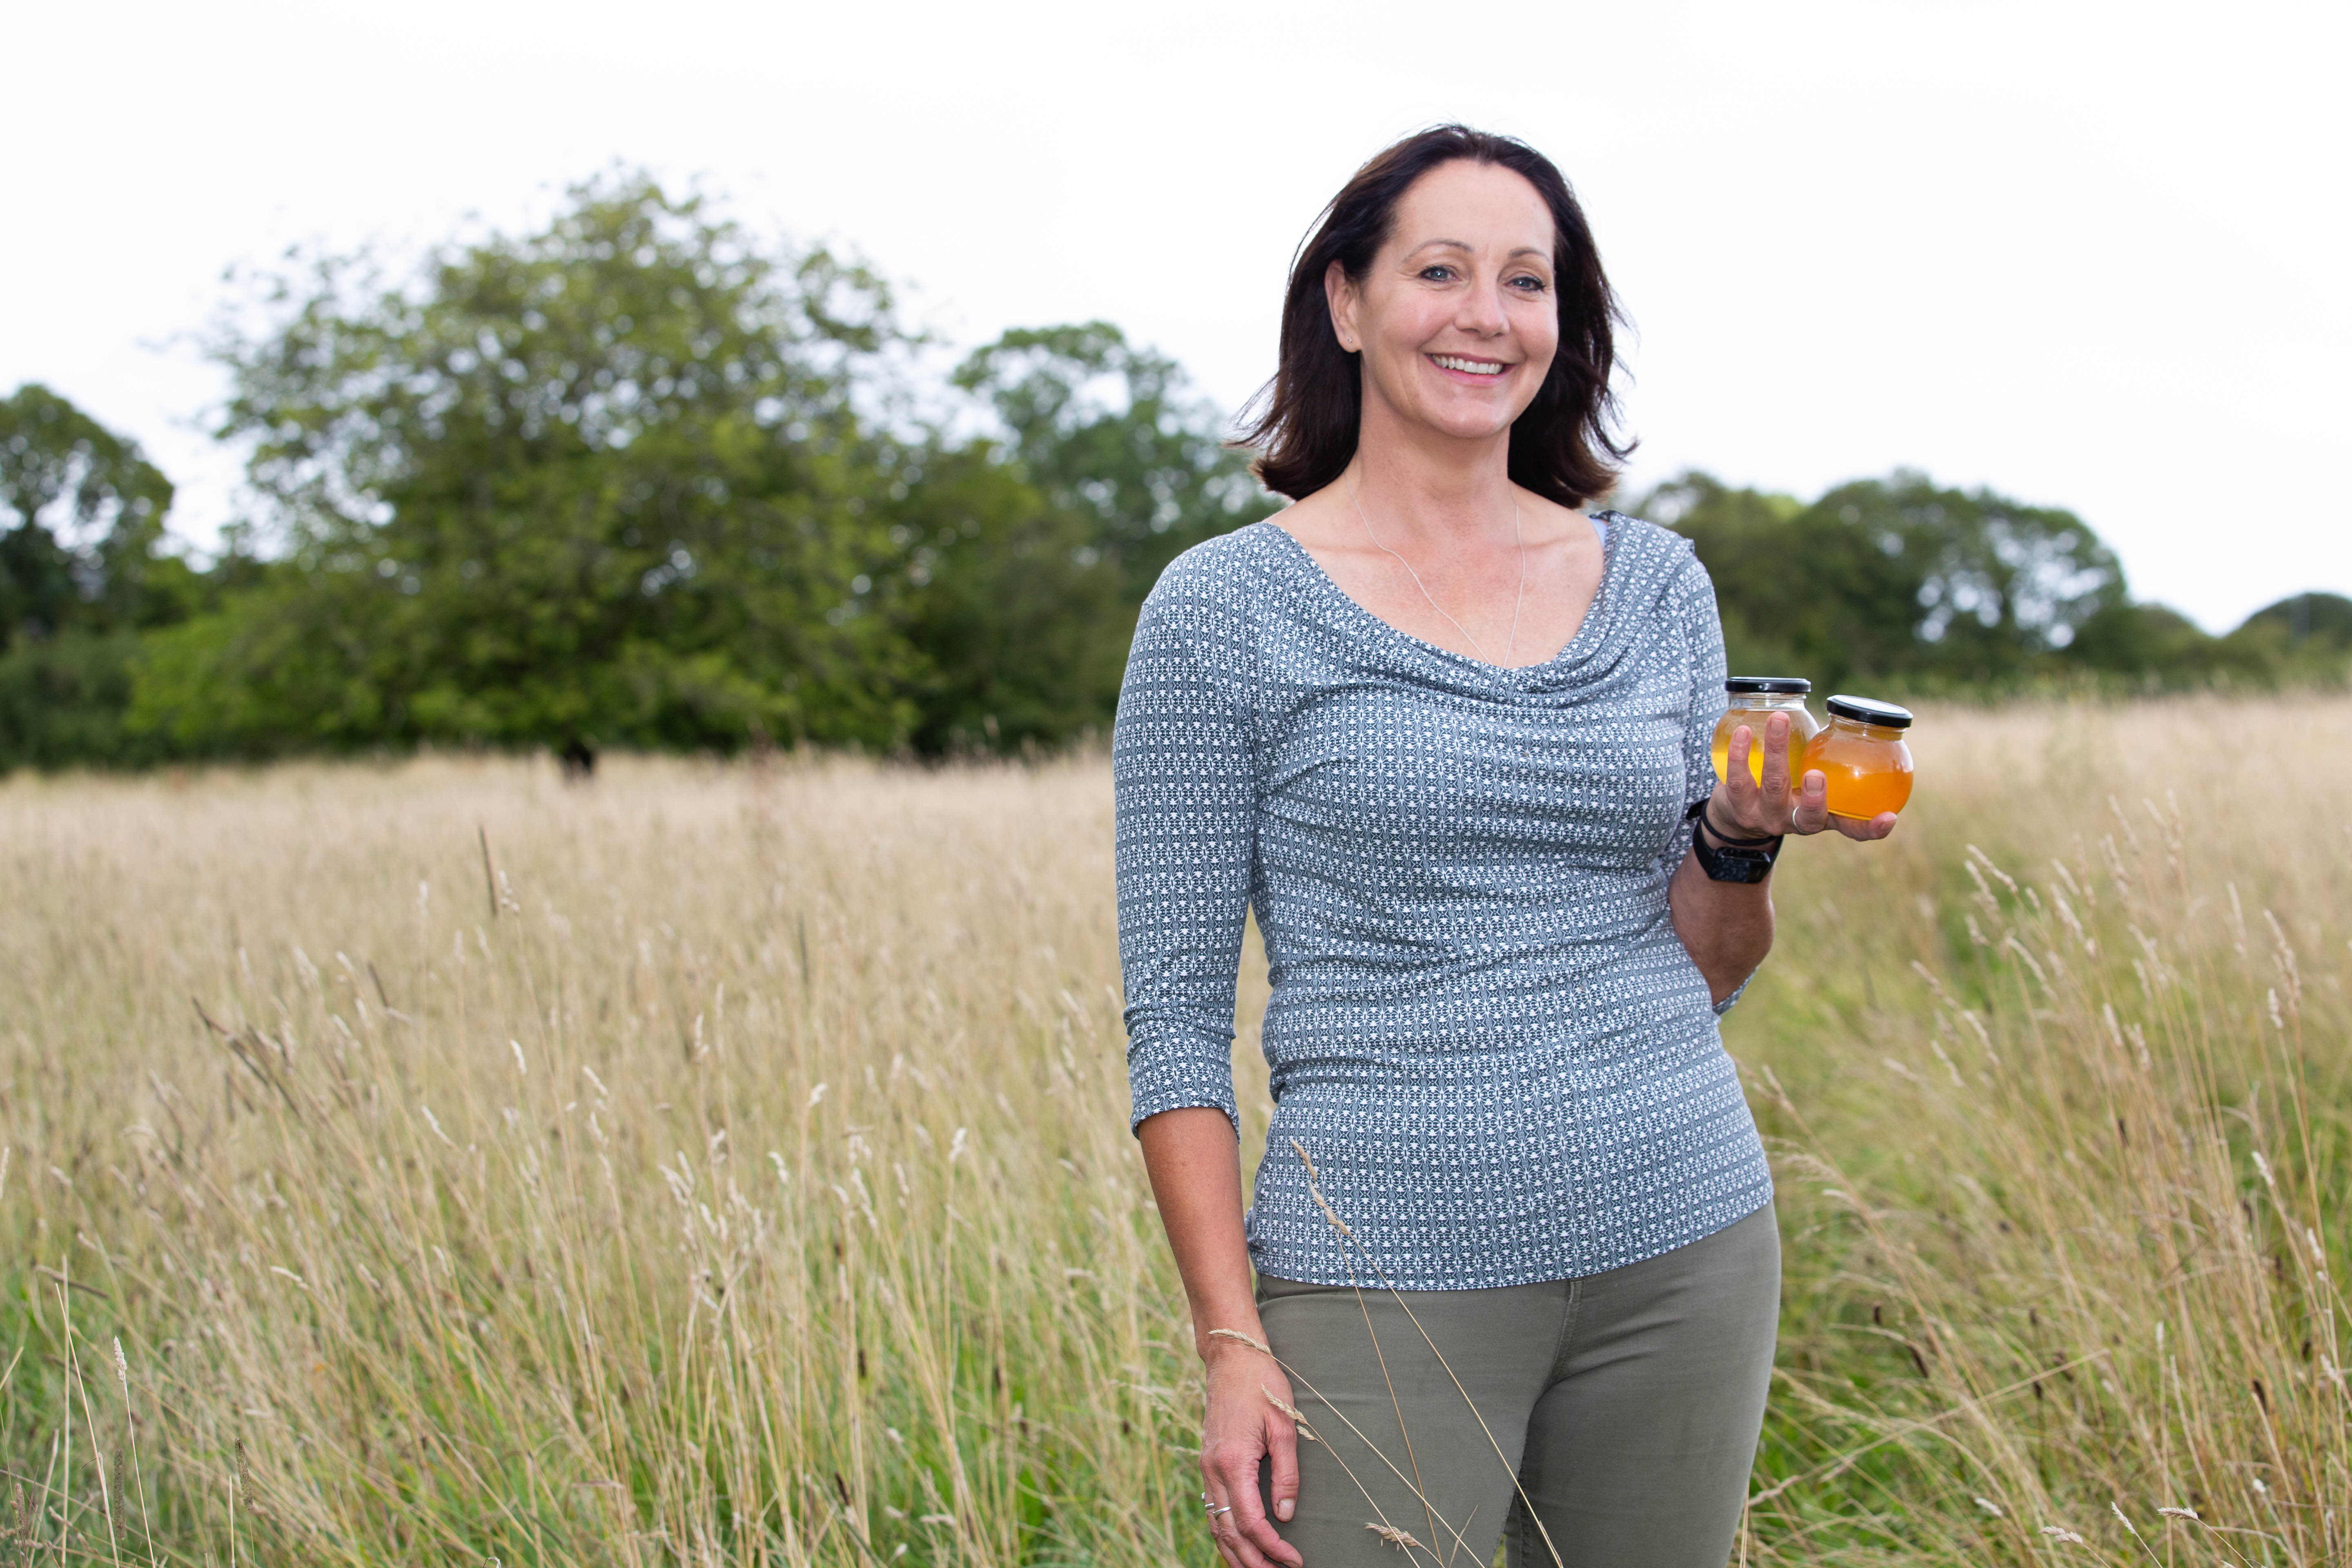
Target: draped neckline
x=1589 y=635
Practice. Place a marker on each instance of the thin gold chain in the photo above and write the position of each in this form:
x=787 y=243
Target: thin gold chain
x=1516 y=536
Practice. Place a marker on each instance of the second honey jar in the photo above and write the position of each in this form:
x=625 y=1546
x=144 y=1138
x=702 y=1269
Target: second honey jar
x=1863 y=757
x=1754 y=699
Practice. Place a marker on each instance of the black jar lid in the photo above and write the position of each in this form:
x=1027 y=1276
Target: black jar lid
x=1794 y=685
x=1870 y=710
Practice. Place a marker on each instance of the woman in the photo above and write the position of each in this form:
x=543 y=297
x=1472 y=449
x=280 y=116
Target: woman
x=1448 y=736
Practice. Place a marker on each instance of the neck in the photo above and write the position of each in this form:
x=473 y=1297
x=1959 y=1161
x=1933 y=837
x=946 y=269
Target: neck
x=1430 y=489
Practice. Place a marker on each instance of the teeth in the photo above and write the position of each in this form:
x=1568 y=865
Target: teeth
x=1471 y=366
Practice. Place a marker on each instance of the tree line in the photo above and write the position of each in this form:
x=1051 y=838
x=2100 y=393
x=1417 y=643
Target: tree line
x=640 y=478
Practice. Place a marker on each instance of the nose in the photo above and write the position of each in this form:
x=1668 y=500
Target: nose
x=1481 y=309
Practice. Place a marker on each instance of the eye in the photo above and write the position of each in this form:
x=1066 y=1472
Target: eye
x=1436 y=272
x=1528 y=282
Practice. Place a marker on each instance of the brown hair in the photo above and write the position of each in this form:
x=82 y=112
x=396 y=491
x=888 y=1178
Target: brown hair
x=1306 y=418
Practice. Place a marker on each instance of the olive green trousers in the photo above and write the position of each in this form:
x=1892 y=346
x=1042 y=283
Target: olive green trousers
x=1607 y=1422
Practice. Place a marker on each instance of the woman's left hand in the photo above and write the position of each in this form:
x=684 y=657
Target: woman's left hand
x=1743 y=809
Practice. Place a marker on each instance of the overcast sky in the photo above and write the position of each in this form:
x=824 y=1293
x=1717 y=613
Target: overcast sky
x=2092 y=257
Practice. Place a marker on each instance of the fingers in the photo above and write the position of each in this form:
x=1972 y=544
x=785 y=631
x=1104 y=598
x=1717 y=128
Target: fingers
x=1741 y=784
x=1868 y=831
x=1255 y=1536
x=1283 y=1452
x=1776 y=760
x=1813 y=813
x=1258 y=1544
x=1222 y=1505
x=1243 y=1535
x=1743 y=741
x=1252 y=1545
x=1232 y=1548
x=1738 y=792
x=1742 y=805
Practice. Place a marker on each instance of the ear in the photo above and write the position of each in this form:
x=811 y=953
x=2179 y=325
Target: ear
x=1341 y=293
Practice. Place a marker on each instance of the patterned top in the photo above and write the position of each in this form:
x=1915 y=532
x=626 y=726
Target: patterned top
x=1483 y=1028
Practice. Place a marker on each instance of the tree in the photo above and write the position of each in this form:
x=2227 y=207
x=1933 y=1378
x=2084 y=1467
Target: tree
x=1027 y=557
x=81 y=514
x=607 y=479
x=1107 y=431
x=1746 y=538
x=2305 y=636
x=83 y=570
x=2321 y=622
x=1020 y=620
x=1896 y=579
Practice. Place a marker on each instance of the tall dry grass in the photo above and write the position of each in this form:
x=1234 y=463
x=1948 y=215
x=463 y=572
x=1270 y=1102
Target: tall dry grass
x=732 y=1165
x=2060 y=1090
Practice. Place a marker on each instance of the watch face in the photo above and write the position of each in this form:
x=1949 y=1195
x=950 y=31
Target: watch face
x=1734 y=865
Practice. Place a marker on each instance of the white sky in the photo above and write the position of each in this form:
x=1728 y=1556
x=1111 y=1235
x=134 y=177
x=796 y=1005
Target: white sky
x=2091 y=255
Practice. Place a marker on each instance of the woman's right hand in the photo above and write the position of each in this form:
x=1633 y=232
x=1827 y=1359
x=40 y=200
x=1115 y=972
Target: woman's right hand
x=1243 y=1425
x=1193 y=1161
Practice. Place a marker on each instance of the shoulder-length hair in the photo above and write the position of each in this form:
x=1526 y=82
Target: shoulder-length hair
x=1304 y=423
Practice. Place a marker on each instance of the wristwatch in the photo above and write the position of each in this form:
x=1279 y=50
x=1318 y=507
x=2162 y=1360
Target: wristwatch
x=1742 y=860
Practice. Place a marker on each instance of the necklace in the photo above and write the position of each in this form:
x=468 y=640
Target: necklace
x=1517 y=537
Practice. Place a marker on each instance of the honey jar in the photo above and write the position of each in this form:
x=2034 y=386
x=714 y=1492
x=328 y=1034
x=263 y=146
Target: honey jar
x=1862 y=757
x=1754 y=699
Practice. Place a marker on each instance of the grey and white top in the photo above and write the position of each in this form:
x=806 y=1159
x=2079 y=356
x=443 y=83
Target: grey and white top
x=1482 y=1027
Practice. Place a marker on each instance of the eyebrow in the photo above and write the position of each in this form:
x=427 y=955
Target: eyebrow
x=1465 y=244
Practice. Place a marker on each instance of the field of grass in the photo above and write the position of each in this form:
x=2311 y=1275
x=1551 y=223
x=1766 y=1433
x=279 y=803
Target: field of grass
x=436 y=1162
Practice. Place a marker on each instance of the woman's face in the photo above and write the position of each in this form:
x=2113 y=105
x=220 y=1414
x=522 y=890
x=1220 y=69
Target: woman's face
x=1456 y=317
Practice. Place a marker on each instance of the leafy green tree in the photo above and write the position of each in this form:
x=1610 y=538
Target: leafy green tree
x=2148 y=644
x=81 y=516
x=636 y=477
x=1898 y=580
x=83 y=570
x=1021 y=621
x=1109 y=432
x=1745 y=537
x=1027 y=556
x=607 y=479
x=2306 y=638
x=2318 y=622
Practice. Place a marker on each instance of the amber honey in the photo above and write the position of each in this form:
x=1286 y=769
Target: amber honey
x=1863 y=757
x=1754 y=699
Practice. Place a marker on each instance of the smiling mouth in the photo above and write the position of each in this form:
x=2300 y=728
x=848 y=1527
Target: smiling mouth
x=1469 y=366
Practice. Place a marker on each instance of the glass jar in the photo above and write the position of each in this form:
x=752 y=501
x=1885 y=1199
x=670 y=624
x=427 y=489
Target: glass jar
x=1754 y=699
x=1861 y=755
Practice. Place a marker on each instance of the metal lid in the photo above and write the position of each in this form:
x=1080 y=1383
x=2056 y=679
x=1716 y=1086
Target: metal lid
x=1870 y=710
x=1795 y=685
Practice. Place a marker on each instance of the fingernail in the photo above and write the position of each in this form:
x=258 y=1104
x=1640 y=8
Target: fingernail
x=1282 y=1511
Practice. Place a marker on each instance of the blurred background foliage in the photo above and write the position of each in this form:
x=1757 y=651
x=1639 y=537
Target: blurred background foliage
x=1903 y=587
x=644 y=479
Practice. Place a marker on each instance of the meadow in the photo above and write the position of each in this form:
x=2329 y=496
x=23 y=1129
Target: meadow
x=437 y=1162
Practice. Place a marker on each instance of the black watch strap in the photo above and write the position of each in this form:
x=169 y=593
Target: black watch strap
x=1742 y=860
x=1749 y=866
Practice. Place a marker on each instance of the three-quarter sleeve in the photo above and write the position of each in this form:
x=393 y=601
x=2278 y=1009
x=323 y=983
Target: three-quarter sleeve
x=1183 y=770
x=1703 y=640
x=1703 y=629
